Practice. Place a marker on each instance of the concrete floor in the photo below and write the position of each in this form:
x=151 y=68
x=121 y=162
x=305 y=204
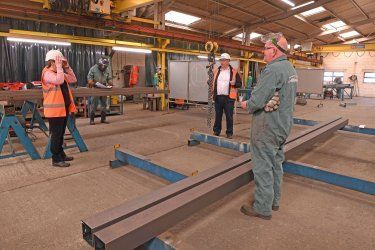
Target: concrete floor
x=41 y=206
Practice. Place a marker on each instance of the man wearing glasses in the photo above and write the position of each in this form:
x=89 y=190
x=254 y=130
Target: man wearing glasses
x=272 y=105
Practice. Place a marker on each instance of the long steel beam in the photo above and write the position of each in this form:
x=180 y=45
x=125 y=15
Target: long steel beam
x=116 y=214
x=143 y=226
x=32 y=94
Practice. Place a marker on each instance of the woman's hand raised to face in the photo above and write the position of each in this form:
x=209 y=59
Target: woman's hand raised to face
x=58 y=62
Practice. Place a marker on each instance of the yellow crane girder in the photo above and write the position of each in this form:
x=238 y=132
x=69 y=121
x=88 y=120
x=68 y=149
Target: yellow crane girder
x=124 y=5
x=344 y=48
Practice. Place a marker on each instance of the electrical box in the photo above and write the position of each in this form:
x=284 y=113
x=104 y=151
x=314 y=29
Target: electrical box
x=102 y=7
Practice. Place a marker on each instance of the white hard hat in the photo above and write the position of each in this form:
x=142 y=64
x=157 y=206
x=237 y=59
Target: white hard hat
x=52 y=54
x=225 y=56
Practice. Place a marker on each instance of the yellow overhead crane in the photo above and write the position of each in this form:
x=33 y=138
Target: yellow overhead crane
x=356 y=47
x=124 y=5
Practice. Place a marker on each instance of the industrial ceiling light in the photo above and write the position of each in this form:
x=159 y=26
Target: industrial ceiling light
x=134 y=50
x=288 y=2
x=313 y=11
x=349 y=34
x=24 y=40
x=202 y=57
x=181 y=18
x=302 y=5
x=334 y=25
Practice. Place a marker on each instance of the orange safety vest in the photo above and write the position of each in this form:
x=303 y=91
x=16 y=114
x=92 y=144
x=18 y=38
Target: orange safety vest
x=53 y=99
x=232 y=89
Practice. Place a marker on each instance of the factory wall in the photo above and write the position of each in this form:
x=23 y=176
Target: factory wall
x=353 y=63
x=120 y=59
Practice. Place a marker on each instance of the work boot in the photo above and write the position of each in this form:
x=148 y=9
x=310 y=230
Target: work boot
x=274 y=207
x=103 y=118
x=61 y=164
x=92 y=117
x=248 y=210
x=217 y=133
x=229 y=136
x=68 y=158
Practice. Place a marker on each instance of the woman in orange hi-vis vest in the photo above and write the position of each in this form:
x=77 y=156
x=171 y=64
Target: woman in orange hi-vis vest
x=57 y=102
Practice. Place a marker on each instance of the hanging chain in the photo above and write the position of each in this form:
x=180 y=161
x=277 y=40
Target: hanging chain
x=210 y=83
x=211 y=48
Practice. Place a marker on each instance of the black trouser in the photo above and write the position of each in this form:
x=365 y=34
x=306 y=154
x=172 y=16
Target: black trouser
x=224 y=103
x=57 y=126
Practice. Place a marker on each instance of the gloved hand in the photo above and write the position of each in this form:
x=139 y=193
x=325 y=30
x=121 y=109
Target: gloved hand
x=91 y=84
x=58 y=62
x=273 y=104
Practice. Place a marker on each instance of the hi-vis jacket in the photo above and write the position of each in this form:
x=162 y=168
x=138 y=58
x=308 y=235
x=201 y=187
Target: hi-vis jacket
x=53 y=99
x=232 y=88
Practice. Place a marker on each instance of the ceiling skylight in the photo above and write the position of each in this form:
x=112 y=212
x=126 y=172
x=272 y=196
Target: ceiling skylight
x=288 y=2
x=302 y=5
x=349 y=34
x=253 y=35
x=313 y=11
x=181 y=18
x=334 y=25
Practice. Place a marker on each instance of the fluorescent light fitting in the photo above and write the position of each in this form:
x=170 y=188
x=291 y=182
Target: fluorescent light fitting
x=288 y=2
x=302 y=5
x=181 y=18
x=24 y=40
x=296 y=46
x=134 y=50
x=349 y=34
x=203 y=57
x=334 y=25
x=313 y=11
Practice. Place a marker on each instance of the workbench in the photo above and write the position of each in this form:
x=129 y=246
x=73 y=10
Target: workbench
x=338 y=87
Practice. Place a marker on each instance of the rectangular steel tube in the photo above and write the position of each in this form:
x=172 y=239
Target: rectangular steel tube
x=140 y=227
x=110 y=216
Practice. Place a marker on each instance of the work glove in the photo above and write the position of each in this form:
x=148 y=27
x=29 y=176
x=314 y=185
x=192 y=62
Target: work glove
x=273 y=104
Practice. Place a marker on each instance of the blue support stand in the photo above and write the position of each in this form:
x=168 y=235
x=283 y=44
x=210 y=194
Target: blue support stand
x=35 y=117
x=349 y=128
x=316 y=173
x=76 y=136
x=11 y=121
x=125 y=157
x=292 y=167
x=197 y=137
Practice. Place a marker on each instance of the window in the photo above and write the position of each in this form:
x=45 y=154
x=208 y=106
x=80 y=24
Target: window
x=329 y=76
x=313 y=11
x=181 y=18
x=253 y=35
x=349 y=34
x=369 y=77
x=334 y=25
